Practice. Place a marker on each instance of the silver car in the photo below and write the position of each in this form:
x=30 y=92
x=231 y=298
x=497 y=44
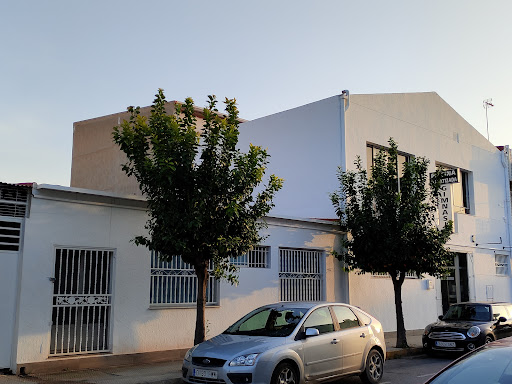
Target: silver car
x=291 y=343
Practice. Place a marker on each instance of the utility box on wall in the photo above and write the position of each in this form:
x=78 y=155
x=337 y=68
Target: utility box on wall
x=429 y=284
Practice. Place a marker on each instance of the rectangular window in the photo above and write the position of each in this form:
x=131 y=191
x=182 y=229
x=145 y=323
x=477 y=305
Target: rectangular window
x=373 y=150
x=460 y=190
x=501 y=264
x=174 y=283
x=301 y=274
x=258 y=257
x=408 y=275
x=10 y=232
x=13 y=200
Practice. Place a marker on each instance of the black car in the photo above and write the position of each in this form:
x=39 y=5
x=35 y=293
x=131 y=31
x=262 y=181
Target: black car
x=489 y=364
x=466 y=326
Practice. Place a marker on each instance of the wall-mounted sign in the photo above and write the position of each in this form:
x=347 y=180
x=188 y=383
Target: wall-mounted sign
x=448 y=176
x=445 y=206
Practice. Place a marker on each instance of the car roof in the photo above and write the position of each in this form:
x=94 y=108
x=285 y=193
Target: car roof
x=484 y=303
x=301 y=304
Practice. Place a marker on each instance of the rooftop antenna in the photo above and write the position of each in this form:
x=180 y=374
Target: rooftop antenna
x=487 y=103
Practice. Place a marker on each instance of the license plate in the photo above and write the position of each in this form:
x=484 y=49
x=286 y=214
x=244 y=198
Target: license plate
x=445 y=344
x=206 y=373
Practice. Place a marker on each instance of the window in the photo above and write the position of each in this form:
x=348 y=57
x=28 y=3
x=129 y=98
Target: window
x=320 y=319
x=460 y=190
x=301 y=274
x=408 y=275
x=345 y=317
x=258 y=257
x=10 y=232
x=501 y=263
x=373 y=150
x=174 y=283
x=13 y=200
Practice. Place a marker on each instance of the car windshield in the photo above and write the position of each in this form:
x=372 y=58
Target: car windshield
x=492 y=365
x=468 y=312
x=273 y=322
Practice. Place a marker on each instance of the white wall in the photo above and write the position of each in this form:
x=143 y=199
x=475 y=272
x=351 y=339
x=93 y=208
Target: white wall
x=8 y=289
x=88 y=221
x=305 y=150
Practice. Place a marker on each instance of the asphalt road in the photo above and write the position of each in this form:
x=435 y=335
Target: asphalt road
x=408 y=370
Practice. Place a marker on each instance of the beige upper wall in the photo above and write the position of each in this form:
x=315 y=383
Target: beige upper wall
x=97 y=160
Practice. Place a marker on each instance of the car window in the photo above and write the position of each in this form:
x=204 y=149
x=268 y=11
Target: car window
x=274 y=322
x=499 y=311
x=468 y=312
x=320 y=319
x=364 y=319
x=345 y=317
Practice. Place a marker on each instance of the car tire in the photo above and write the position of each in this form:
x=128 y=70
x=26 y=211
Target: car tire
x=285 y=373
x=488 y=339
x=374 y=368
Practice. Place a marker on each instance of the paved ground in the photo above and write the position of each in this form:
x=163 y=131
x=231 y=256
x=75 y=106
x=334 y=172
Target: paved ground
x=170 y=372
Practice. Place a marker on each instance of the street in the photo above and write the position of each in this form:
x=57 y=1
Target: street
x=409 y=370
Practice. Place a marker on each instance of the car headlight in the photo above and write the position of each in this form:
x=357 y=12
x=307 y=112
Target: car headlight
x=188 y=355
x=474 y=331
x=243 y=360
x=427 y=330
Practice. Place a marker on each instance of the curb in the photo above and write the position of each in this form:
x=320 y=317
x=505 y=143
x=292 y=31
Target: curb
x=399 y=353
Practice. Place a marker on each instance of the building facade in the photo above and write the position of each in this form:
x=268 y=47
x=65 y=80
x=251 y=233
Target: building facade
x=77 y=286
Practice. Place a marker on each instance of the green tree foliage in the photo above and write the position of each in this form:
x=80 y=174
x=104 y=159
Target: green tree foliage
x=200 y=189
x=391 y=222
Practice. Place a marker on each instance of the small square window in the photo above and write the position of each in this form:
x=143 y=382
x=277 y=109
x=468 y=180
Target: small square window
x=501 y=264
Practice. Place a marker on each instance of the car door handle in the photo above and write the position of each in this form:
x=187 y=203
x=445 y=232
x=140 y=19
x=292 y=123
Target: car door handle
x=362 y=335
x=334 y=341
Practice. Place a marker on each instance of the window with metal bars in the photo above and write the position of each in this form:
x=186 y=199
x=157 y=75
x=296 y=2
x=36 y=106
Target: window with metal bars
x=408 y=275
x=258 y=257
x=174 y=283
x=13 y=200
x=301 y=274
x=10 y=232
x=501 y=263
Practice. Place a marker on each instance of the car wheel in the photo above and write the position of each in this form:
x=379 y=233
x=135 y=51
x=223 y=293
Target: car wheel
x=374 y=367
x=285 y=373
x=488 y=339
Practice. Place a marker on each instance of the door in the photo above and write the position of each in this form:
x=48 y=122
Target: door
x=82 y=298
x=353 y=338
x=322 y=353
x=454 y=287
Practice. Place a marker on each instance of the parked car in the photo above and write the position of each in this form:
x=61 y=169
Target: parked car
x=489 y=364
x=290 y=343
x=466 y=326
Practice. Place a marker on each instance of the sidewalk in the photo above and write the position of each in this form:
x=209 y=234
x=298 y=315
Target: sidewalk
x=168 y=372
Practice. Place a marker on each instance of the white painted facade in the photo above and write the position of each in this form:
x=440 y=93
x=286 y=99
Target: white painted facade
x=68 y=218
x=308 y=143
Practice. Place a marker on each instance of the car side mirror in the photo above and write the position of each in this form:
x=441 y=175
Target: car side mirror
x=312 y=332
x=440 y=317
x=502 y=319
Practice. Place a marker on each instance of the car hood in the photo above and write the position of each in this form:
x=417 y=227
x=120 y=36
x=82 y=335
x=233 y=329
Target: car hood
x=226 y=346
x=452 y=325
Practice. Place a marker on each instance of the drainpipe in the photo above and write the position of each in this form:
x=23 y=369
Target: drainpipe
x=505 y=156
x=344 y=104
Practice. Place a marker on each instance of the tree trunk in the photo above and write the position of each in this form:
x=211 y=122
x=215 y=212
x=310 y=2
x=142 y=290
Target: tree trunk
x=401 y=336
x=202 y=280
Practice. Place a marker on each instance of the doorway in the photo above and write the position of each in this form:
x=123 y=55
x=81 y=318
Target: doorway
x=454 y=286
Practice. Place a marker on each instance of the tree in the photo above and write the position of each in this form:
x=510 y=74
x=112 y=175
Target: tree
x=200 y=189
x=391 y=222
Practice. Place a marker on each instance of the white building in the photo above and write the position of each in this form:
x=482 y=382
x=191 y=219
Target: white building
x=79 y=294
x=308 y=143
x=72 y=283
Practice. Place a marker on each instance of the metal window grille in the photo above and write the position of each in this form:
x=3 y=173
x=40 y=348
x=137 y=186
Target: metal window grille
x=408 y=275
x=501 y=263
x=255 y=258
x=174 y=283
x=301 y=274
x=13 y=200
x=10 y=232
x=82 y=300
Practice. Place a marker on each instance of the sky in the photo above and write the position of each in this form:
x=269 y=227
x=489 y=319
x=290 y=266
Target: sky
x=64 y=61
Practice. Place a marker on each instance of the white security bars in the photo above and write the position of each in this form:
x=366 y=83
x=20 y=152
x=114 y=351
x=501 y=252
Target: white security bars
x=174 y=283
x=13 y=200
x=501 y=263
x=82 y=298
x=10 y=233
x=301 y=274
x=258 y=257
